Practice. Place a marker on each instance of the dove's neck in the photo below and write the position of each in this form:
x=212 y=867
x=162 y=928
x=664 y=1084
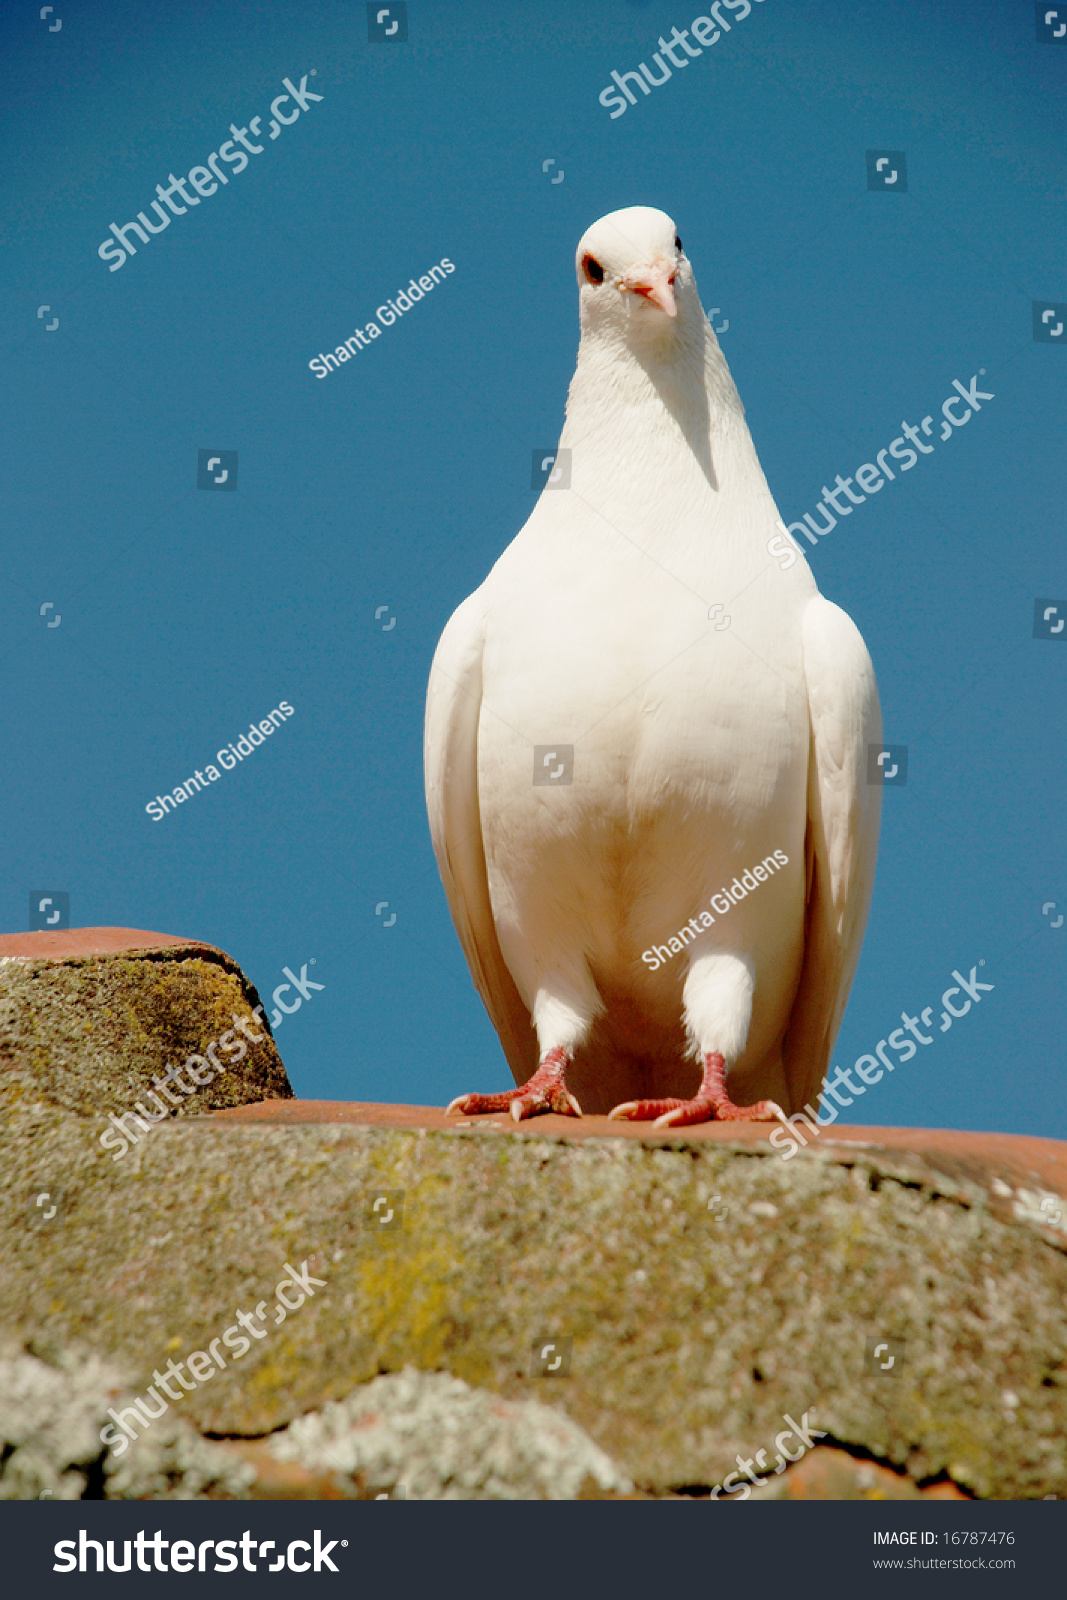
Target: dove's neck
x=664 y=418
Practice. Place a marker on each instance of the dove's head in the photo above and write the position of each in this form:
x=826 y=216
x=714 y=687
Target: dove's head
x=633 y=276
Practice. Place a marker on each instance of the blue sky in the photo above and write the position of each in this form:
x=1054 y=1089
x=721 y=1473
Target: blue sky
x=397 y=481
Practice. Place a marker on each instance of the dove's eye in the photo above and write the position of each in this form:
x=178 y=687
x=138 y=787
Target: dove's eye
x=678 y=244
x=592 y=269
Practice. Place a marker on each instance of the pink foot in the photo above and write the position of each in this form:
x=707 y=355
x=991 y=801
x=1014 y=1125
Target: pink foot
x=710 y=1103
x=546 y=1091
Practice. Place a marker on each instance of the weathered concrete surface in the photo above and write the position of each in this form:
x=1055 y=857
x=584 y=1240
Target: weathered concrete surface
x=980 y=1156
x=688 y=1294
x=428 y=1436
x=90 y=1016
x=51 y=1413
x=707 y=1286
x=412 y=1435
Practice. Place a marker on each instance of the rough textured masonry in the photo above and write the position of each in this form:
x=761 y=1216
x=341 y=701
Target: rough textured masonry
x=86 y=1023
x=694 y=1286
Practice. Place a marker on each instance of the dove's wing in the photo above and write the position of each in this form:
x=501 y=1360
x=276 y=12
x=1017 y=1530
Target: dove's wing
x=842 y=838
x=453 y=710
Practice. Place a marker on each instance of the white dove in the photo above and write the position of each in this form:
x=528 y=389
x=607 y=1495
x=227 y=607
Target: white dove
x=699 y=748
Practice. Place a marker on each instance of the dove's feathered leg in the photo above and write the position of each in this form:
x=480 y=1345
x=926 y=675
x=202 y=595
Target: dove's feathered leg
x=717 y=1012
x=545 y=1091
x=564 y=1002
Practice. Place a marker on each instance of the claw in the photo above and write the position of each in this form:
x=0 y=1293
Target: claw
x=710 y=1103
x=762 y=1111
x=644 y=1110
x=695 y=1111
x=526 y=1106
x=623 y=1112
x=546 y=1091
x=473 y=1104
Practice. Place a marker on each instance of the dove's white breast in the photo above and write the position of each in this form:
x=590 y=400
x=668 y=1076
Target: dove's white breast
x=690 y=741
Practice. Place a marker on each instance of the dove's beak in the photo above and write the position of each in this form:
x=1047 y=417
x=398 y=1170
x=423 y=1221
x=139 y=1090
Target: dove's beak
x=655 y=283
